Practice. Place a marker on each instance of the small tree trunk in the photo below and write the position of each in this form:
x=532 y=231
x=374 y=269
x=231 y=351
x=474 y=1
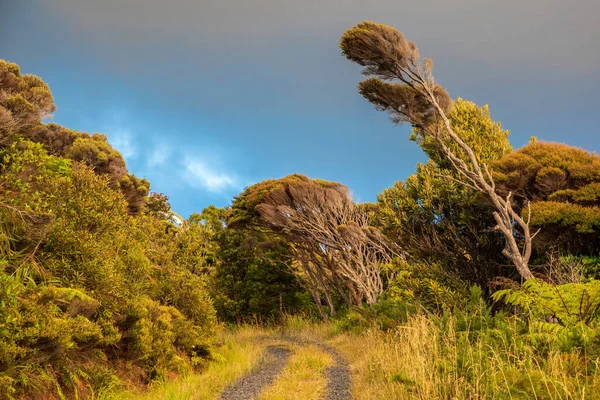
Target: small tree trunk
x=317 y=299
x=280 y=305
x=329 y=303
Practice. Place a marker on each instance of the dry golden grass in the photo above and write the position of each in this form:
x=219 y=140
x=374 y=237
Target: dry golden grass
x=419 y=361
x=240 y=351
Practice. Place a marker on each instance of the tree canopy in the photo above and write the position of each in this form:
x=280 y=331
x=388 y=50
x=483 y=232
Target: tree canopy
x=563 y=183
x=336 y=250
x=25 y=100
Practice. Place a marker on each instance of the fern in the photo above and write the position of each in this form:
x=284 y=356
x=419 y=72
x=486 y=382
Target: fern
x=568 y=304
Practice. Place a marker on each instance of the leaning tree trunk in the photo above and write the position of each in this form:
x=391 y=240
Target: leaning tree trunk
x=505 y=215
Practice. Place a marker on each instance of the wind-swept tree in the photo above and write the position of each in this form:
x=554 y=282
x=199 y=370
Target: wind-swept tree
x=401 y=83
x=335 y=249
x=438 y=220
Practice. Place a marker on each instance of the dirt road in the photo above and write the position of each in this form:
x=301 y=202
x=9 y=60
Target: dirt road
x=250 y=386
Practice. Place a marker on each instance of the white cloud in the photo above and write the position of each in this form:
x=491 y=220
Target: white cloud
x=201 y=175
x=122 y=140
x=159 y=155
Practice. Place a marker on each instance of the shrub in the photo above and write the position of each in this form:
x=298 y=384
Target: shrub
x=384 y=315
x=85 y=286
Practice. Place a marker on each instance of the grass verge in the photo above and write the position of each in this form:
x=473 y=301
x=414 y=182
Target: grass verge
x=239 y=352
x=418 y=360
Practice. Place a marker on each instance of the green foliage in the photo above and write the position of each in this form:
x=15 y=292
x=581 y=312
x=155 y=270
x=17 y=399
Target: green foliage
x=566 y=215
x=439 y=221
x=428 y=285
x=563 y=184
x=196 y=245
x=474 y=125
x=569 y=304
x=49 y=332
x=98 y=154
x=251 y=280
x=470 y=352
x=24 y=100
x=590 y=265
x=158 y=204
x=540 y=169
x=384 y=315
x=56 y=139
x=85 y=286
x=159 y=337
x=135 y=191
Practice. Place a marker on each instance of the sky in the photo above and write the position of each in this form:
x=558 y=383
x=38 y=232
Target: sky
x=206 y=97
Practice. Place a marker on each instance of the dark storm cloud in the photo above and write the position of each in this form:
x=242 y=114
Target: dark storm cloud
x=556 y=35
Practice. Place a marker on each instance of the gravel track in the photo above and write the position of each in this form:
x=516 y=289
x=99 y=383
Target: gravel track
x=339 y=384
x=251 y=385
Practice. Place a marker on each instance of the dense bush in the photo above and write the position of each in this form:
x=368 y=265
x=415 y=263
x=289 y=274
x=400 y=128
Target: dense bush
x=252 y=281
x=563 y=184
x=90 y=294
x=466 y=352
x=24 y=100
x=427 y=284
x=384 y=315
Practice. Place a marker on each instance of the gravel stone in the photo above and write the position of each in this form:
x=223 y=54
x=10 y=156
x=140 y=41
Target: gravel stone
x=251 y=385
x=339 y=384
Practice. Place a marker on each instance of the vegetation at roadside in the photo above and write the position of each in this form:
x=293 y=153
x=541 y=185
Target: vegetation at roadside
x=236 y=353
x=97 y=290
x=469 y=353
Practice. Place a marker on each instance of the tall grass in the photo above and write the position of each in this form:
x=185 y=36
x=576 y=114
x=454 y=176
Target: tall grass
x=423 y=359
x=240 y=351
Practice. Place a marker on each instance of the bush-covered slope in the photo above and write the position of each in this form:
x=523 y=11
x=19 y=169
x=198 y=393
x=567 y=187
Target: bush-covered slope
x=91 y=294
